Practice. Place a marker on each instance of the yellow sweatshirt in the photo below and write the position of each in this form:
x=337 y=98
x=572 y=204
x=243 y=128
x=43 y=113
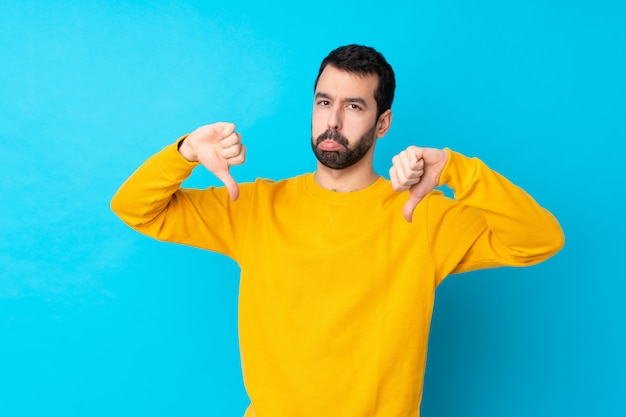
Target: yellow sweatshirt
x=337 y=289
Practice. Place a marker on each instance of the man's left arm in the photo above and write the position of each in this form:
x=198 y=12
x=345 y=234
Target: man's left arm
x=524 y=230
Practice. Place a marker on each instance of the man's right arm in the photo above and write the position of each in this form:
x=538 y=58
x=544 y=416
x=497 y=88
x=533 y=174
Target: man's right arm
x=152 y=195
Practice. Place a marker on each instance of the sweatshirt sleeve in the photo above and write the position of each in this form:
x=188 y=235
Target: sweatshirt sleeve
x=152 y=202
x=502 y=224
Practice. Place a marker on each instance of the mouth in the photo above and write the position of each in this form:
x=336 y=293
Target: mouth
x=330 y=145
x=332 y=141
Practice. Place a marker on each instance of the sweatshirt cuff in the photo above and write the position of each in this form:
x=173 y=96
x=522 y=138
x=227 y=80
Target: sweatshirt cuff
x=459 y=171
x=173 y=164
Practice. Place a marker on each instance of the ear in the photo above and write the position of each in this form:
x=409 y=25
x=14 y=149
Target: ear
x=384 y=123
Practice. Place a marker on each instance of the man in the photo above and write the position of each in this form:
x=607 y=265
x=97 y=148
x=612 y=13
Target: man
x=339 y=267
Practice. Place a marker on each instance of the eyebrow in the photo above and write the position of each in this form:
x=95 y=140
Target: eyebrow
x=359 y=100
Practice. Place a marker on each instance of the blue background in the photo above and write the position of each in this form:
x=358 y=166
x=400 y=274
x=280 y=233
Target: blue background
x=97 y=320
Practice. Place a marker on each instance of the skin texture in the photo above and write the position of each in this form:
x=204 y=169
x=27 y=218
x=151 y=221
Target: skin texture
x=343 y=122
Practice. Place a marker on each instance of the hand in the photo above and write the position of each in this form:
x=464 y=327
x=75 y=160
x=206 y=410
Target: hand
x=417 y=170
x=216 y=146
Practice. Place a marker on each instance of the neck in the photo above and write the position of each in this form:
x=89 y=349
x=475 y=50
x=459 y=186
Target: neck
x=349 y=179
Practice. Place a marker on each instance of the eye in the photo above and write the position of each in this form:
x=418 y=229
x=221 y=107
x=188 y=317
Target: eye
x=354 y=106
x=323 y=103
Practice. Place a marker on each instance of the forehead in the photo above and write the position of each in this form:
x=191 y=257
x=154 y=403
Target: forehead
x=336 y=82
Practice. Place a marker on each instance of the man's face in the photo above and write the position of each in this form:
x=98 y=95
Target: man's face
x=343 y=128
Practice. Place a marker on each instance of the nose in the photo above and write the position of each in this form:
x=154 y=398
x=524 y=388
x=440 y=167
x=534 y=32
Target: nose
x=334 y=118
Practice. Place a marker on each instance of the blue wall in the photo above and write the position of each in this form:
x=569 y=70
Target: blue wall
x=96 y=320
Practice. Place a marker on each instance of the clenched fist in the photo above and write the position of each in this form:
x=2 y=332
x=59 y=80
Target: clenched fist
x=218 y=147
x=417 y=170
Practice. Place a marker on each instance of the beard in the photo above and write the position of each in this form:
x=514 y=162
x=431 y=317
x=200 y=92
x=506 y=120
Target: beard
x=349 y=156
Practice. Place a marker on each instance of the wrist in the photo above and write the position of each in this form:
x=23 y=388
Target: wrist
x=185 y=150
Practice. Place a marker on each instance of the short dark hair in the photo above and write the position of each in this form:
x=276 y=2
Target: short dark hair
x=364 y=60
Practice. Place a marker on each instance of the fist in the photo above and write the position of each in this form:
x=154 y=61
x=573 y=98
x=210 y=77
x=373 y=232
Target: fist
x=417 y=170
x=217 y=146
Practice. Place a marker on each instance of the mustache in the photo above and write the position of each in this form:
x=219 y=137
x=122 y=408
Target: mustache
x=333 y=135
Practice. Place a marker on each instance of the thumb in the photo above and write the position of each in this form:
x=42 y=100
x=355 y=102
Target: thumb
x=224 y=175
x=417 y=192
x=409 y=207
